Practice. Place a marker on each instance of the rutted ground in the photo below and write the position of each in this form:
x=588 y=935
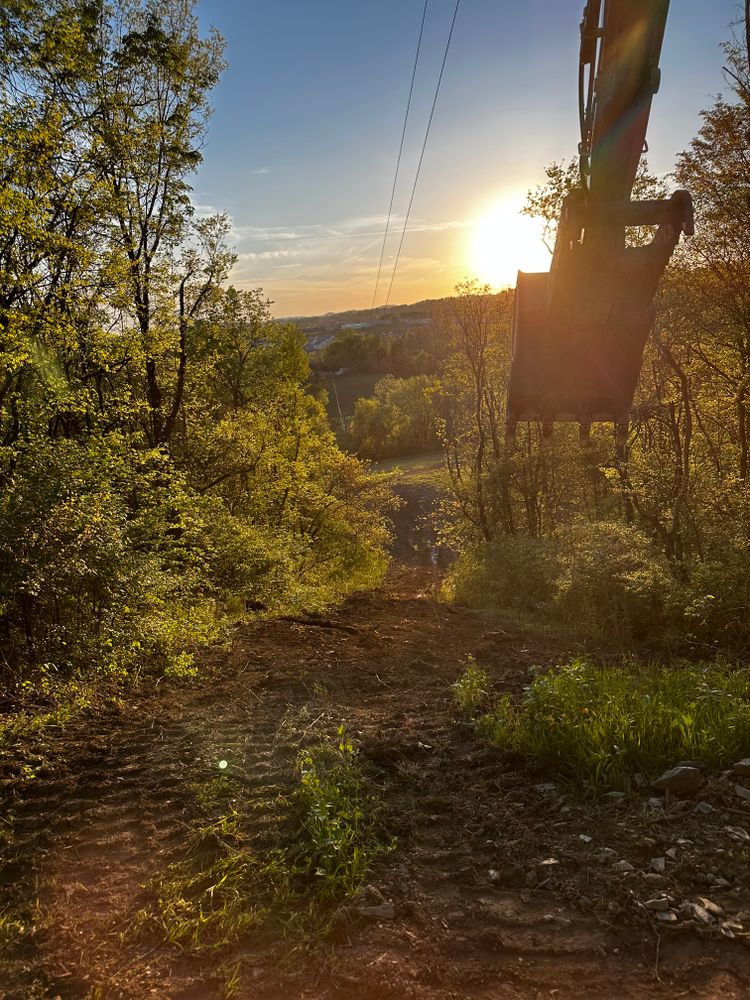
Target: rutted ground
x=110 y=805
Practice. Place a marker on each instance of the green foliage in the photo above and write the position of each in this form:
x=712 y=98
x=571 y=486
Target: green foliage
x=403 y=353
x=162 y=465
x=598 y=726
x=223 y=889
x=513 y=573
x=398 y=419
x=336 y=814
x=592 y=580
x=472 y=689
x=611 y=582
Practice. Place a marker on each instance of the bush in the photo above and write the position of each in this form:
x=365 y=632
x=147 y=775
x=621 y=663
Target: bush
x=611 y=582
x=514 y=573
x=99 y=565
x=398 y=419
x=590 y=580
x=713 y=603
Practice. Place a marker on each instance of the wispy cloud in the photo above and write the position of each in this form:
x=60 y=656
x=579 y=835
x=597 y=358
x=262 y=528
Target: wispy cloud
x=261 y=170
x=330 y=265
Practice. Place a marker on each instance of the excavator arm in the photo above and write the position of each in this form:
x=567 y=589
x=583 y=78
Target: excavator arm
x=580 y=330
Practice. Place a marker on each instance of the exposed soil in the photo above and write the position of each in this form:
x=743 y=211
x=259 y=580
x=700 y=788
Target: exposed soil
x=494 y=892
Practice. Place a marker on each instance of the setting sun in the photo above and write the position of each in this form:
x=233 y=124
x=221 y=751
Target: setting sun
x=504 y=242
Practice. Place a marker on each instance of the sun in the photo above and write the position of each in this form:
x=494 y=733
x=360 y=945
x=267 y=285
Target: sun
x=504 y=242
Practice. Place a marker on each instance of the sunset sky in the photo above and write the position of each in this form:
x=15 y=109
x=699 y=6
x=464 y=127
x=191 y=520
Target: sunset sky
x=302 y=147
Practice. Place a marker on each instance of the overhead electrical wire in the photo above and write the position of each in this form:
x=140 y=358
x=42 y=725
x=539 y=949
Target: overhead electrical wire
x=400 y=151
x=424 y=146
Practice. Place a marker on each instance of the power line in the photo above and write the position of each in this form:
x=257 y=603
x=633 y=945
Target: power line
x=424 y=146
x=400 y=151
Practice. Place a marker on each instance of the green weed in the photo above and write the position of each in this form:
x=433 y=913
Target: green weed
x=600 y=725
x=223 y=889
x=472 y=689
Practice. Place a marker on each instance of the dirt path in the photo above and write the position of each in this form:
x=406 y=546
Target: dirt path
x=478 y=913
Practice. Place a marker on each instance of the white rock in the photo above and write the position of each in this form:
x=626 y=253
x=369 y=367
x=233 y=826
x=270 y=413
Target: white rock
x=658 y=865
x=701 y=914
x=545 y=788
x=738 y=834
x=666 y=916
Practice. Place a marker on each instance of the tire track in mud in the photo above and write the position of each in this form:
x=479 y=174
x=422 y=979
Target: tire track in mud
x=114 y=815
x=110 y=810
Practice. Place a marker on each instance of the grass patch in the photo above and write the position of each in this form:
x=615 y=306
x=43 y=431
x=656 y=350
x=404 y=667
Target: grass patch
x=224 y=890
x=598 y=726
x=421 y=470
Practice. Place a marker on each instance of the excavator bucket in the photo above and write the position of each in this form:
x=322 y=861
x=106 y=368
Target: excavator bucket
x=570 y=366
x=579 y=331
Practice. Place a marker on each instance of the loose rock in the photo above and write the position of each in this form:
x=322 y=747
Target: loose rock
x=703 y=808
x=713 y=908
x=666 y=916
x=622 y=866
x=741 y=792
x=545 y=788
x=658 y=865
x=737 y=834
x=680 y=781
x=662 y=903
x=701 y=914
x=384 y=911
x=742 y=767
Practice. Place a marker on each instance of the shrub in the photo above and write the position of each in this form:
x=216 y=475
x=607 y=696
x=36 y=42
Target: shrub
x=612 y=582
x=592 y=580
x=513 y=573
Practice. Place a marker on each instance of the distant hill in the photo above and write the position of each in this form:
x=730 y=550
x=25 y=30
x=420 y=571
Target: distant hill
x=392 y=320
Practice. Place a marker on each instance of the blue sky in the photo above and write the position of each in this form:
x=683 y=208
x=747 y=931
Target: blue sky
x=302 y=146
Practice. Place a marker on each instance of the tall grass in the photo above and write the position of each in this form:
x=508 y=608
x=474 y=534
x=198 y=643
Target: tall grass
x=600 y=725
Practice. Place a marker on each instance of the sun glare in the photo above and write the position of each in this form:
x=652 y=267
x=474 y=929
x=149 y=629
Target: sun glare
x=505 y=242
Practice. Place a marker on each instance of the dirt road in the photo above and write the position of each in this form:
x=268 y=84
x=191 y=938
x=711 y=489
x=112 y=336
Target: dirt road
x=494 y=892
